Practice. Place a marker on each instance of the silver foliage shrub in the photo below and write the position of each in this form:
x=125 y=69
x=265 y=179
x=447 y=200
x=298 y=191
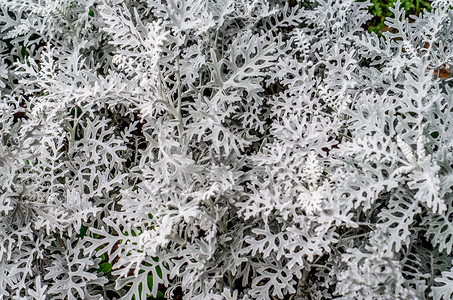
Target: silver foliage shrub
x=224 y=150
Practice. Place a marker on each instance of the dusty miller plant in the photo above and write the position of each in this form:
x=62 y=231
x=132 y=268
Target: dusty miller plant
x=224 y=150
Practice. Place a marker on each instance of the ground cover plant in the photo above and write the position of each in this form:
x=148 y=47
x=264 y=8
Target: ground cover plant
x=224 y=150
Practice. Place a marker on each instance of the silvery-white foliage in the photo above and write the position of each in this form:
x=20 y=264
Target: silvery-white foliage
x=224 y=149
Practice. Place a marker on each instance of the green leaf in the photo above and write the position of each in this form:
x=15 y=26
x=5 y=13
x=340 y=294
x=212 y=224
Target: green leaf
x=159 y=271
x=105 y=267
x=83 y=231
x=24 y=52
x=150 y=282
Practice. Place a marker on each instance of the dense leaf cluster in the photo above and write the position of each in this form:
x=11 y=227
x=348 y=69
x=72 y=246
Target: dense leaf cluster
x=381 y=9
x=224 y=149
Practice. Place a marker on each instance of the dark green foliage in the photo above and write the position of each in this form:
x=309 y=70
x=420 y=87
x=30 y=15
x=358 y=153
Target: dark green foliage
x=380 y=10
